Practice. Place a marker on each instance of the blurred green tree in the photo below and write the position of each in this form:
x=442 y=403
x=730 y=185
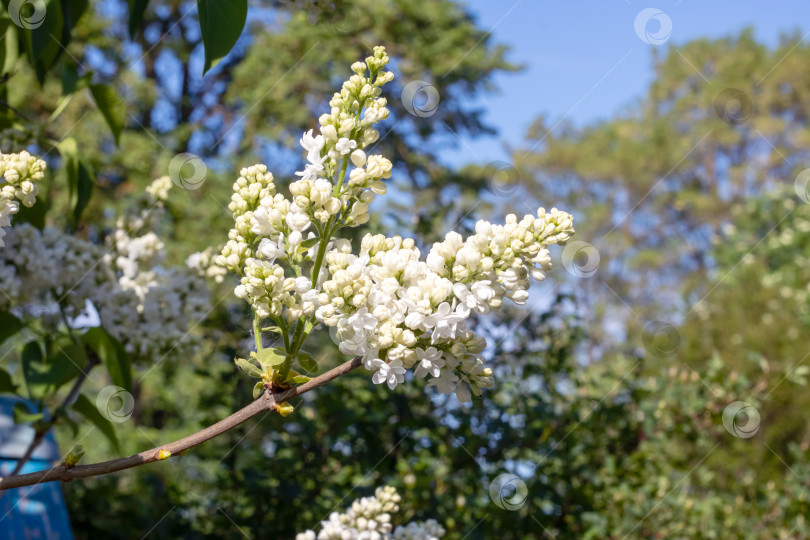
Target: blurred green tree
x=723 y=120
x=629 y=446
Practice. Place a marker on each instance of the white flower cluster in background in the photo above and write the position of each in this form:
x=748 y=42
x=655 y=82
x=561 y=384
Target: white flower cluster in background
x=369 y=518
x=397 y=311
x=20 y=172
x=150 y=308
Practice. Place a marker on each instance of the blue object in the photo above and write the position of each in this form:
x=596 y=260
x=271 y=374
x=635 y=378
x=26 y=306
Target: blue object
x=32 y=512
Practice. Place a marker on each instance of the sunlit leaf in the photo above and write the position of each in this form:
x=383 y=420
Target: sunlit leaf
x=221 y=24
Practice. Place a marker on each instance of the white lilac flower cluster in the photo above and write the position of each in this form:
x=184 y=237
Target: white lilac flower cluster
x=270 y=229
x=369 y=518
x=386 y=304
x=20 y=172
x=148 y=307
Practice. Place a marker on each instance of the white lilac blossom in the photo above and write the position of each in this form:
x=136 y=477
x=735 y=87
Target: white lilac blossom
x=150 y=308
x=20 y=173
x=370 y=518
x=385 y=302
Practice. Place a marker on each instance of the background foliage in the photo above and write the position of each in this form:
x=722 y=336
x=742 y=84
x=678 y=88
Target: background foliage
x=612 y=418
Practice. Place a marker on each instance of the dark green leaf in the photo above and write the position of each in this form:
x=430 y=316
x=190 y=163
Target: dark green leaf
x=307 y=362
x=70 y=80
x=34 y=215
x=111 y=352
x=73 y=12
x=44 y=42
x=32 y=367
x=9 y=325
x=221 y=24
x=69 y=151
x=79 y=178
x=88 y=409
x=111 y=106
x=136 y=11
x=66 y=364
x=9 y=50
x=84 y=188
x=6 y=383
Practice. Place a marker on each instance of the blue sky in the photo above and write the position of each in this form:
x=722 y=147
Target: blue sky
x=584 y=61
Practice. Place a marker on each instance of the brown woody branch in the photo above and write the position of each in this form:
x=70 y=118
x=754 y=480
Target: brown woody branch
x=266 y=402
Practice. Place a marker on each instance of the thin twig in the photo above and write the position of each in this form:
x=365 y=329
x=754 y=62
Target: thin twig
x=265 y=402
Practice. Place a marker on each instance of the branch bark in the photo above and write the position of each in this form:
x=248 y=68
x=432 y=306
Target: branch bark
x=265 y=402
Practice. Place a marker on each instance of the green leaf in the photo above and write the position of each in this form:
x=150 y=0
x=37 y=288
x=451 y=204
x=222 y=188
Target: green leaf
x=84 y=188
x=88 y=409
x=23 y=415
x=111 y=352
x=6 y=383
x=136 y=11
x=248 y=367
x=112 y=107
x=9 y=325
x=221 y=24
x=307 y=362
x=310 y=242
x=73 y=12
x=31 y=367
x=274 y=329
x=297 y=378
x=70 y=79
x=43 y=43
x=258 y=389
x=69 y=151
x=270 y=357
x=34 y=215
x=65 y=365
x=9 y=49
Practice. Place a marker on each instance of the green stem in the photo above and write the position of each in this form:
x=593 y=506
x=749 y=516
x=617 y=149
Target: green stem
x=257 y=332
x=327 y=230
x=342 y=174
x=297 y=340
x=67 y=323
